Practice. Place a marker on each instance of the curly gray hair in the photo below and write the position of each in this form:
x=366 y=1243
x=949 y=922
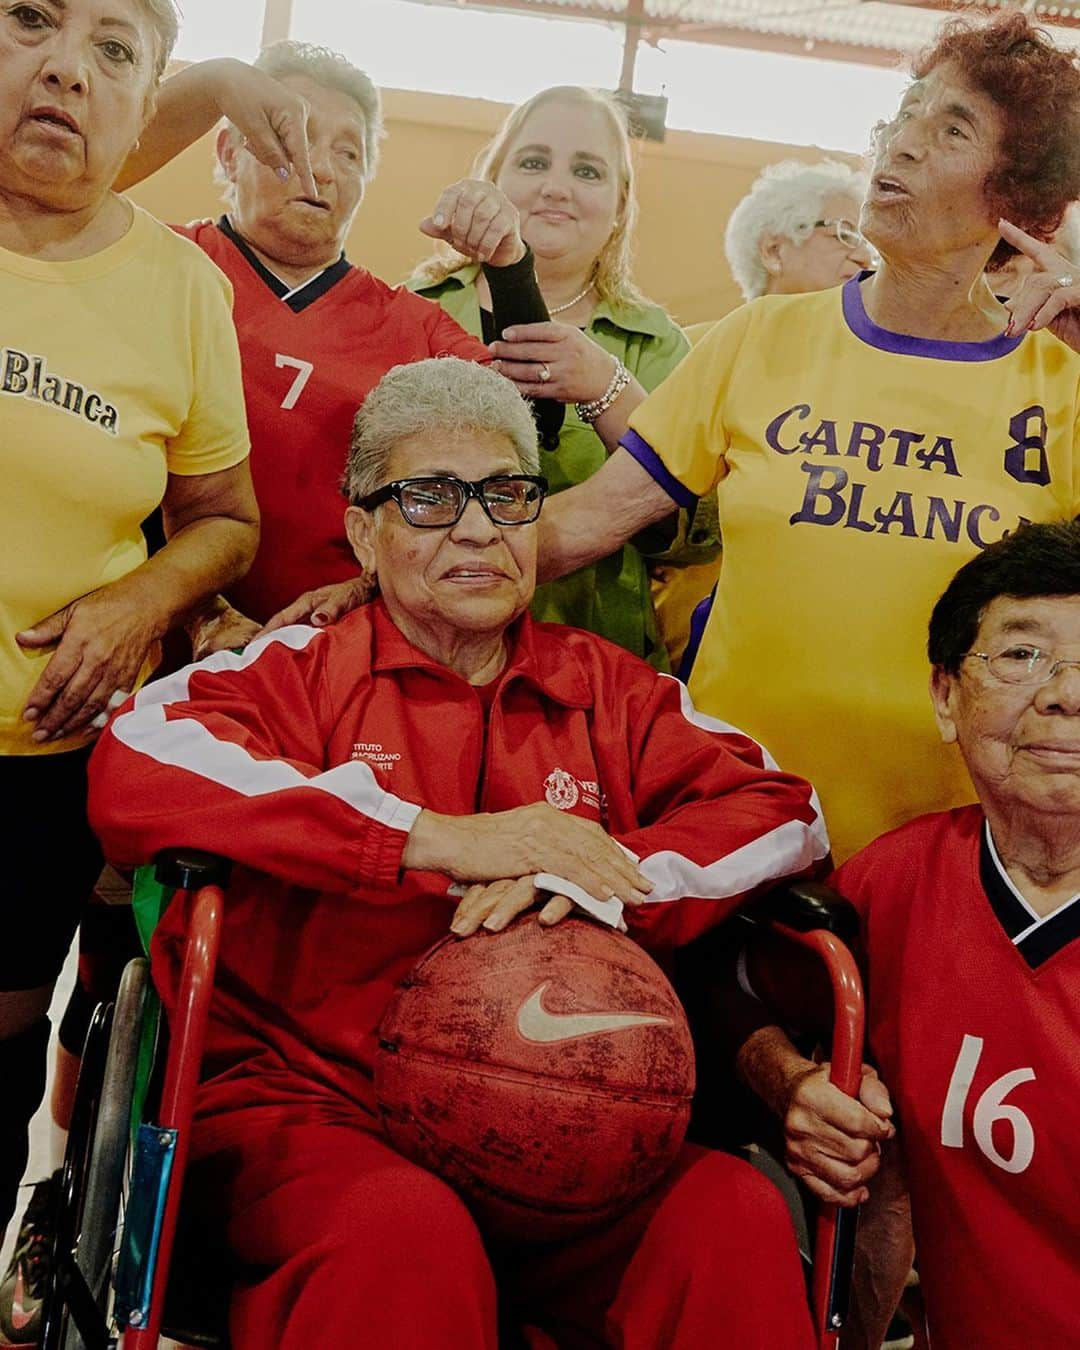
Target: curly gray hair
x=441 y=393
x=785 y=198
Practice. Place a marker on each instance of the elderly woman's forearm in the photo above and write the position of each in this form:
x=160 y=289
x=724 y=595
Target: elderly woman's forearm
x=187 y=108
x=198 y=562
x=769 y=1064
x=590 y=521
x=611 y=426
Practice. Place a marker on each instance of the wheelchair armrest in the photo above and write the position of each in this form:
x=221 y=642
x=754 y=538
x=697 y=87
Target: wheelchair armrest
x=187 y=869
x=807 y=906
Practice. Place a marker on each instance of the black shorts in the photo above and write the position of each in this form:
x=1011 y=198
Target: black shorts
x=53 y=860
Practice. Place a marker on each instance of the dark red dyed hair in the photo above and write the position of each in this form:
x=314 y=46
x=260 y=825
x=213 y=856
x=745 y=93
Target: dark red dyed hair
x=1037 y=88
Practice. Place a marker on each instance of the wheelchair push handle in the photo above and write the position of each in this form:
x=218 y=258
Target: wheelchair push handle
x=808 y=907
x=189 y=869
x=818 y=919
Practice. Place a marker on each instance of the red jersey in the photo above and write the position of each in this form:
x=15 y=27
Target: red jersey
x=975 y=1024
x=309 y=756
x=310 y=356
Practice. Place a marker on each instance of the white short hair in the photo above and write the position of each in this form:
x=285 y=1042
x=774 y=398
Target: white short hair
x=442 y=393
x=785 y=199
x=333 y=71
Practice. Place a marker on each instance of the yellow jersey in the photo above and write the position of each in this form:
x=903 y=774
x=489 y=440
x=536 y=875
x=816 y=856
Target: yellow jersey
x=855 y=470
x=115 y=371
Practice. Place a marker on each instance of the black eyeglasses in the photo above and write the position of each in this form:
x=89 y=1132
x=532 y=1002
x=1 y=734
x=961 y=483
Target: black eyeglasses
x=434 y=502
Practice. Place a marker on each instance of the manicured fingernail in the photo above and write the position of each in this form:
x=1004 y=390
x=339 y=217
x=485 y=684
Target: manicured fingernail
x=508 y=334
x=460 y=927
x=494 y=925
x=31 y=715
x=284 y=174
x=440 y=220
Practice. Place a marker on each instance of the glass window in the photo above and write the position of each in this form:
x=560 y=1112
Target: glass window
x=831 y=104
x=211 y=28
x=505 y=57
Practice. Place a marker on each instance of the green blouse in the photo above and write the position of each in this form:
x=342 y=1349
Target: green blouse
x=610 y=597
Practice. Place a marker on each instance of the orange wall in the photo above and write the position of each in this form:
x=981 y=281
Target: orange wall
x=687 y=188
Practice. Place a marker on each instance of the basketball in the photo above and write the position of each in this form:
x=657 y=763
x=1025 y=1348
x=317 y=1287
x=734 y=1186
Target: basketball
x=545 y=1073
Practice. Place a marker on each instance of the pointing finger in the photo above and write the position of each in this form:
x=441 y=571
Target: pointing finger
x=1035 y=249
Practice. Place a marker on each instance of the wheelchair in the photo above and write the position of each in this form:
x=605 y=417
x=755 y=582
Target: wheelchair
x=111 y=1270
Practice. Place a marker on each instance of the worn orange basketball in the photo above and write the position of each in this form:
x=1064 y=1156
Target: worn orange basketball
x=545 y=1073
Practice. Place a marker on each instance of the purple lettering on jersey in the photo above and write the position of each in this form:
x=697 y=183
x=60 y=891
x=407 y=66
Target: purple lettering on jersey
x=904 y=441
x=816 y=489
x=974 y=520
x=866 y=436
x=853 y=521
x=939 y=514
x=899 y=513
x=772 y=431
x=823 y=438
x=941 y=452
x=1028 y=430
x=832 y=498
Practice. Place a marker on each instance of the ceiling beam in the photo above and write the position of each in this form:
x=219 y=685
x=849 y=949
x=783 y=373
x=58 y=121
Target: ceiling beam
x=277 y=21
x=635 y=12
x=641 y=27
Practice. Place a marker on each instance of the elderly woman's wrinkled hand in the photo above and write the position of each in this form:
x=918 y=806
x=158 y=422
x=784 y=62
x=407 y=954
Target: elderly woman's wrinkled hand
x=522 y=842
x=494 y=905
x=1050 y=296
x=101 y=643
x=270 y=116
x=478 y=220
x=833 y=1141
x=324 y=605
x=223 y=630
x=578 y=370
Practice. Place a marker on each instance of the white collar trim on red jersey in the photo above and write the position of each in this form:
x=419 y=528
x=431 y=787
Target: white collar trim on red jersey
x=1037 y=920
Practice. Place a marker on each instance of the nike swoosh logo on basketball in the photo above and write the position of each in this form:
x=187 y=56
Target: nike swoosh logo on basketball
x=535 y=1023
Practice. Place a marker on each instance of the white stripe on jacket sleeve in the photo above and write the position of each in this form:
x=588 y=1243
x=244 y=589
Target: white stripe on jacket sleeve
x=185 y=743
x=782 y=851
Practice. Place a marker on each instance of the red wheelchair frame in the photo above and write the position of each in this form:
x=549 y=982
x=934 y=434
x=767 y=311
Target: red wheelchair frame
x=804 y=914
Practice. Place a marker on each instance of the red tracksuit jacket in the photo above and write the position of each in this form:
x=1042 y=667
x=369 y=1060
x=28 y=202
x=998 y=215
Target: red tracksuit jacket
x=307 y=758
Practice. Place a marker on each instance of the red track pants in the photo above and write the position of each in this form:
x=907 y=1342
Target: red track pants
x=347 y=1245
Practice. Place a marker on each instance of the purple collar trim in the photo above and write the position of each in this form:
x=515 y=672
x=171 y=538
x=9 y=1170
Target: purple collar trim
x=866 y=330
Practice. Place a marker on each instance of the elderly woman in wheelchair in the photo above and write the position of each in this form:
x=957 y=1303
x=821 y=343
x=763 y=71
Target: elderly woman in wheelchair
x=408 y=771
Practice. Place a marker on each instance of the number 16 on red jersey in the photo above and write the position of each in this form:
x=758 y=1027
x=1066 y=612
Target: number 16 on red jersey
x=989 y=1108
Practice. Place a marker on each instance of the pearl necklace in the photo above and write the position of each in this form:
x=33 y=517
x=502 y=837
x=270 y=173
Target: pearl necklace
x=559 y=309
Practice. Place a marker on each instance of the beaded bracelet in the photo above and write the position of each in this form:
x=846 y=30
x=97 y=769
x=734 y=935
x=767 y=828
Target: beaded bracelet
x=589 y=412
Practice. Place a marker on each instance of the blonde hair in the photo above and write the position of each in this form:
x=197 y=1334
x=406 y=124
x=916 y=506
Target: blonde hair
x=611 y=277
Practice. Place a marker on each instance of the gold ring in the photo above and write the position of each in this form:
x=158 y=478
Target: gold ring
x=544 y=373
